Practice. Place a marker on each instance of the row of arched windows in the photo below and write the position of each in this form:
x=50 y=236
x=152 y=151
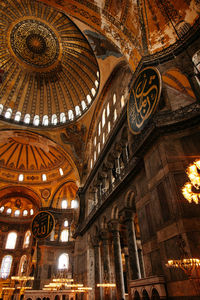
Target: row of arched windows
x=104 y=126
x=6 y=264
x=12 y=239
x=17 y=212
x=64 y=204
x=44 y=176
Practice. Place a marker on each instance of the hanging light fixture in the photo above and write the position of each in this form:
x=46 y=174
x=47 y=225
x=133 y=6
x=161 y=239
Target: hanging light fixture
x=191 y=190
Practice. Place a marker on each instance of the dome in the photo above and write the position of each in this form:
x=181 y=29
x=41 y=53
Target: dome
x=31 y=158
x=51 y=75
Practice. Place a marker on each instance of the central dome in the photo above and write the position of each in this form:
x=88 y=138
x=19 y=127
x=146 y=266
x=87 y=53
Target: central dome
x=51 y=73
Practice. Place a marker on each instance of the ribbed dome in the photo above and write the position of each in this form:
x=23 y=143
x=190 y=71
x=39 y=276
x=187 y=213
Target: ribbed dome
x=51 y=75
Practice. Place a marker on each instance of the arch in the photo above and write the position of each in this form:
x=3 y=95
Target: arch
x=36 y=120
x=115 y=213
x=27 y=119
x=11 y=240
x=8 y=113
x=63 y=261
x=136 y=296
x=18 y=116
x=27 y=239
x=77 y=110
x=62 y=117
x=64 y=237
x=70 y=115
x=6 y=266
x=130 y=199
x=57 y=297
x=66 y=191
x=145 y=295
x=155 y=295
x=83 y=104
x=22 y=265
x=45 y=120
x=54 y=119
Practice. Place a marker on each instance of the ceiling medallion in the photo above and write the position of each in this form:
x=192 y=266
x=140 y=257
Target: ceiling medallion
x=34 y=43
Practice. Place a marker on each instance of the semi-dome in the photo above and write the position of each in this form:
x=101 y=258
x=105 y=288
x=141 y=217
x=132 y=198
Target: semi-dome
x=51 y=75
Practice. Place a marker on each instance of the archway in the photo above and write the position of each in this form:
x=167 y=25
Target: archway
x=136 y=296
x=155 y=295
x=145 y=295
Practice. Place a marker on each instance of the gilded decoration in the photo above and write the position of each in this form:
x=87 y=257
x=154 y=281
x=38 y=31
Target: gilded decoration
x=35 y=43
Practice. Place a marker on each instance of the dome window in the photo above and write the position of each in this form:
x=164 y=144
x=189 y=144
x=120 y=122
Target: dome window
x=27 y=119
x=95 y=141
x=9 y=210
x=44 y=177
x=54 y=119
x=93 y=92
x=21 y=177
x=31 y=211
x=36 y=120
x=96 y=83
x=99 y=148
x=61 y=172
x=108 y=109
x=2 y=209
x=98 y=74
x=25 y=212
x=8 y=113
x=70 y=115
x=95 y=155
x=99 y=129
x=45 y=120
x=122 y=101
x=103 y=138
x=77 y=110
x=1 y=108
x=17 y=116
x=114 y=99
x=83 y=105
x=108 y=126
x=17 y=213
x=103 y=118
x=89 y=99
x=91 y=164
x=115 y=114
x=62 y=117
x=64 y=204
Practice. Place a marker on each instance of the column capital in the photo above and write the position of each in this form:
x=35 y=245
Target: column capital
x=127 y=214
x=104 y=234
x=113 y=225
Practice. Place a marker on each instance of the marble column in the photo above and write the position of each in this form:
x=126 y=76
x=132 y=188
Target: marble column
x=134 y=263
x=106 y=261
x=97 y=267
x=114 y=228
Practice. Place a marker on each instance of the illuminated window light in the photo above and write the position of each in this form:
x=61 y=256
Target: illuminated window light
x=11 y=240
x=108 y=109
x=77 y=110
x=95 y=141
x=44 y=177
x=25 y=212
x=70 y=115
x=27 y=119
x=93 y=92
x=17 y=213
x=62 y=117
x=83 y=105
x=96 y=83
x=115 y=114
x=21 y=177
x=64 y=237
x=64 y=204
x=91 y=164
x=122 y=101
x=1 y=108
x=45 y=120
x=99 y=148
x=99 y=129
x=89 y=99
x=9 y=210
x=103 y=118
x=6 y=266
x=2 y=209
x=63 y=261
x=36 y=120
x=8 y=113
x=103 y=138
x=54 y=119
x=95 y=155
x=108 y=126
x=17 y=116
x=98 y=74
x=114 y=99
x=66 y=223
x=61 y=171
x=31 y=211
x=74 y=204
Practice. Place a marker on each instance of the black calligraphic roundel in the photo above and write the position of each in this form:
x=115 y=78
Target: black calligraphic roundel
x=42 y=224
x=144 y=98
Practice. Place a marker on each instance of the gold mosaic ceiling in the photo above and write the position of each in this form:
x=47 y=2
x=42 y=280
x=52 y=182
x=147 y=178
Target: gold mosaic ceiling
x=51 y=75
x=32 y=156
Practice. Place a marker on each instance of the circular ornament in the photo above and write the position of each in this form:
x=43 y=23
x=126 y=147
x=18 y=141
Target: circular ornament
x=42 y=225
x=35 y=43
x=144 y=98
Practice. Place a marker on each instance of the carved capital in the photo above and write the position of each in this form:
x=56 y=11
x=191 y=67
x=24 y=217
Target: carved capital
x=113 y=225
x=104 y=234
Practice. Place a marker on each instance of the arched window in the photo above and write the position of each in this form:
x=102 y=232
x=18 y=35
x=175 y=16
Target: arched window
x=31 y=211
x=96 y=83
x=54 y=119
x=45 y=120
x=91 y=164
x=9 y=210
x=115 y=114
x=64 y=237
x=103 y=138
x=103 y=118
x=18 y=116
x=98 y=74
x=8 y=113
x=95 y=155
x=98 y=148
x=93 y=92
x=44 y=177
x=21 y=177
x=25 y=212
x=83 y=105
x=99 y=129
x=136 y=296
x=11 y=240
x=2 y=209
x=27 y=239
x=66 y=223
x=36 y=120
x=89 y=99
x=27 y=119
x=62 y=117
x=108 y=109
x=17 y=213
x=95 y=141
x=63 y=261
x=77 y=110
x=6 y=266
x=114 y=99
x=70 y=115
x=122 y=101
x=108 y=126
x=61 y=171
x=1 y=108
x=74 y=204
x=22 y=265
x=64 y=204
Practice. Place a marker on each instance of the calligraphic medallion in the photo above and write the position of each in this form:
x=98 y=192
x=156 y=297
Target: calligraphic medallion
x=144 y=98
x=42 y=224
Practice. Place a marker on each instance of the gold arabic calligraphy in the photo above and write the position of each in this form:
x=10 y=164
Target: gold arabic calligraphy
x=42 y=225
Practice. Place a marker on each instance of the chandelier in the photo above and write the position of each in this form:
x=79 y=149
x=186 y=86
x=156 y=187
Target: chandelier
x=191 y=190
x=188 y=265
